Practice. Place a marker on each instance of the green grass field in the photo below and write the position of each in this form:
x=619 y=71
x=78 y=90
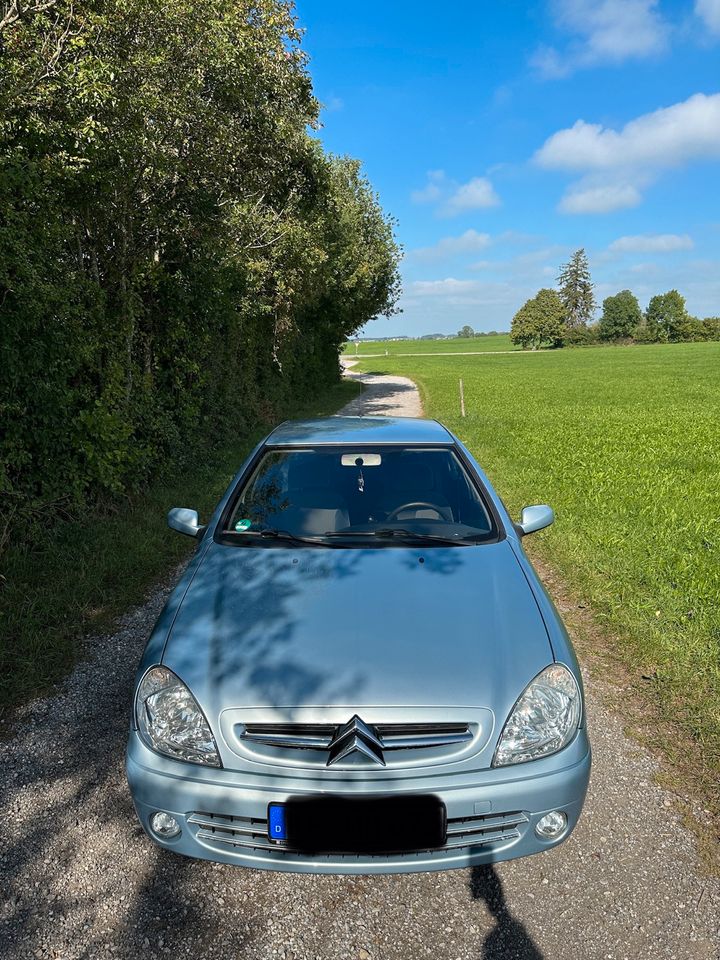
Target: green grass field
x=490 y=344
x=84 y=572
x=624 y=443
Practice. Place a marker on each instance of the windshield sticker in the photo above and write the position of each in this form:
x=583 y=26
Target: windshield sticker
x=244 y=524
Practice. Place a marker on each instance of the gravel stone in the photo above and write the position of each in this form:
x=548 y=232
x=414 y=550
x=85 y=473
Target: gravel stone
x=80 y=879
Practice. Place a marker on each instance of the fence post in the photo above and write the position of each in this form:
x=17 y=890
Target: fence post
x=462 y=399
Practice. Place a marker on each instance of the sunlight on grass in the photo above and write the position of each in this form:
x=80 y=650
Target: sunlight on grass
x=623 y=443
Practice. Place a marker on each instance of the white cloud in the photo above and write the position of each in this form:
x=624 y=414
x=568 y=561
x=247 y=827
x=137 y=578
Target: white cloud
x=709 y=13
x=586 y=197
x=433 y=189
x=603 y=31
x=473 y=195
x=667 y=137
x=453 y=198
x=652 y=243
x=619 y=163
x=468 y=242
x=448 y=286
x=526 y=266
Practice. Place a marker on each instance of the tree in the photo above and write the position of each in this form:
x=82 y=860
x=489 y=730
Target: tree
x=712 y=328
x=539 y=321
x=466 y=332
x=576 y=291
x=620 y=317
x=666 y=318
x=179 y=258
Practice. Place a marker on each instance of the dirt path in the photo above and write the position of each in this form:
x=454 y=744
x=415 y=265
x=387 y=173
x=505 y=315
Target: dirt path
x=387 y=396
x=79 y=879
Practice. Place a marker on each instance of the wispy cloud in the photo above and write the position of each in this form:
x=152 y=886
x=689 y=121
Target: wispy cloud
x=441 y=288
x=587 y=196
x=709 y=13
x=433 y=189
x=602 y=32
x=452 y=198
x=652 y=243
x=618 y=164
x=473 y=195
x=469 y=242
x=333 y=104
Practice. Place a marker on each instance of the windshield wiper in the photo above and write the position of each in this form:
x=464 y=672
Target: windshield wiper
x=401 y=532
x=270 y=533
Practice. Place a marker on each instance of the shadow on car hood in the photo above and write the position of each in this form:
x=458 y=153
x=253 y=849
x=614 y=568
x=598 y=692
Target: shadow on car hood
x=284 y=627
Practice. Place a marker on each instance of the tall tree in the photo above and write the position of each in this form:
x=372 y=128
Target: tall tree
x=576 y=290
x=178 y=256
x=466 y=331
x=540 y=321
x=667 y=316
x=620 y=317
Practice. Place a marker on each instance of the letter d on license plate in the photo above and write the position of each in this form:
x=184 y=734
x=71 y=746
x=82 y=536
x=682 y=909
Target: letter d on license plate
x=277 y=826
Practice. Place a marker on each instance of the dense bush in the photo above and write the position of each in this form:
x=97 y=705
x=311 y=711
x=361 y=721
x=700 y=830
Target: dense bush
x=620 y=317
x=178 y=256
x=540 y=322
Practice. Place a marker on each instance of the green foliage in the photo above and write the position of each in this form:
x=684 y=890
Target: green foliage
x=711 y=328
x=466 y=332
x=576 y=290
x=667 y=319
x=539 y=322
x=623 y=444
x=620 y=317
x=581 y=336
x=73 y=578
x=178 y=257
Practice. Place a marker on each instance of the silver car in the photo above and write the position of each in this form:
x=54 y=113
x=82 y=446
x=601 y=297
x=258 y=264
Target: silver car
x=359 y=671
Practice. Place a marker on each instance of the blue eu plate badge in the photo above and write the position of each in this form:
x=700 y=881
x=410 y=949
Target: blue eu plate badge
x=277 y=828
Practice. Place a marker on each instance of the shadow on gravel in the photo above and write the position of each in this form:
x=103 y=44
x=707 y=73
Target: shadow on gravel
x=508 y=938
x=384 y=398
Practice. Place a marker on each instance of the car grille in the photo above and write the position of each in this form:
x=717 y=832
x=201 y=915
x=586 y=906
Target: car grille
x=319 y=736
x=251 y=833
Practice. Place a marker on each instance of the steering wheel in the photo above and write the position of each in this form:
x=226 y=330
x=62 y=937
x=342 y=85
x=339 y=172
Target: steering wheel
x=415 y=505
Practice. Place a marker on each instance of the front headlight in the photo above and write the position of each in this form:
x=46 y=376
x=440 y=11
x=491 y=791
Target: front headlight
x=543 y=720
x=170 y=721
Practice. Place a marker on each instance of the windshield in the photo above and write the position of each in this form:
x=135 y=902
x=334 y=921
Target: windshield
x=365 y=495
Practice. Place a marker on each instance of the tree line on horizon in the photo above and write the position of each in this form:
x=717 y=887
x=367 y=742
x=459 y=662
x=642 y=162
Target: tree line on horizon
x=180 y=259
x=564 y=317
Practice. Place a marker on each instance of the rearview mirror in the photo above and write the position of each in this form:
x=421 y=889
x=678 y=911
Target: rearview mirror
x=185 y=521
x=536 y=518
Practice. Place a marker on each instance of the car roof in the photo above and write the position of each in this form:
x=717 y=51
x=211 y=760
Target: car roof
x=357 y=430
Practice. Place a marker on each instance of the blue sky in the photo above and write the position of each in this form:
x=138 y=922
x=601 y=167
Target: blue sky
x=504 y=135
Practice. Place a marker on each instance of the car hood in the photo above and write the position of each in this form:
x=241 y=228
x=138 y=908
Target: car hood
x=286 y=628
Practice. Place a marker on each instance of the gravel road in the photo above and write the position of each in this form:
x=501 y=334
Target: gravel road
x=79 y=879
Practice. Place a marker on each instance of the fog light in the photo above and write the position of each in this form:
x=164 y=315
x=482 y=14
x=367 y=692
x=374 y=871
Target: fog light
x=551 y=825
x=164 y=826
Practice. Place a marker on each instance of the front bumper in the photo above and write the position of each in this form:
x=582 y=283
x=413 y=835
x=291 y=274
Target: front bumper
x=491 y=814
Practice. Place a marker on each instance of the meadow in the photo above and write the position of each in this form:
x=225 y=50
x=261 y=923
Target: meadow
x=489 y=344
x=624 y=443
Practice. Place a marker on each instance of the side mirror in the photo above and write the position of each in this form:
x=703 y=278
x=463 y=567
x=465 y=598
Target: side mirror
x=185 y=521
x=535 y=518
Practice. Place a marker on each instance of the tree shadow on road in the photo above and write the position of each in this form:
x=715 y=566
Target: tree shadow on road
x=508 y=938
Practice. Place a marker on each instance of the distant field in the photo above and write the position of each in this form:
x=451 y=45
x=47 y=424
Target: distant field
x=624 y=443
x=500 y=341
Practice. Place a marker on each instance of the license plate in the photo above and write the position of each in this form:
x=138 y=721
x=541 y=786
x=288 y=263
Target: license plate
x=349 y=825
